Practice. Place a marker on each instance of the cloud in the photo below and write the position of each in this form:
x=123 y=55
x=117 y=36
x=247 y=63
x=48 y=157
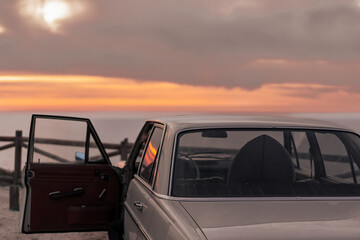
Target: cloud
x=308 y=91
x=211 y=43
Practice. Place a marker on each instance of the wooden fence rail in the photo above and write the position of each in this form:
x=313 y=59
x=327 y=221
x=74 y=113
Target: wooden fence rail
x=19 y=142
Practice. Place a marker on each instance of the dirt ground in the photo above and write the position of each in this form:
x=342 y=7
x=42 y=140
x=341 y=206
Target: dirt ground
x=9 y=225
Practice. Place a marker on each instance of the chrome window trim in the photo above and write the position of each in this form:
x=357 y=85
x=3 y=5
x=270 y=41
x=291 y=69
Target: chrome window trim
x=269 y=128
x=143 y=182
x=157 y=160
x=247 y=199
x=241 y=199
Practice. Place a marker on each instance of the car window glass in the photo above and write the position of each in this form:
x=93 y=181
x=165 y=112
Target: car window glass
x=353 y=146
x=95 y=155
x=336 y=160
x=141 y=145
x=255 y=163
x=139 y=155
x=58 y=141
x=208 y=154
x=64 y=141
x=150 y=154
x=302 y=146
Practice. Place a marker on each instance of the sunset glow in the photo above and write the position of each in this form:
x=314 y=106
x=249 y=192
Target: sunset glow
x=88 y=93
x=180 y=56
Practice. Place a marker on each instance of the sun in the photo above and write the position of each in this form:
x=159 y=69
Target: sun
x=2 y=29
x=50 y=13
x=54 y=10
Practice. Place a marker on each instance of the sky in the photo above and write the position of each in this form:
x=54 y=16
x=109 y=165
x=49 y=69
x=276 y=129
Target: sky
x=187 y=55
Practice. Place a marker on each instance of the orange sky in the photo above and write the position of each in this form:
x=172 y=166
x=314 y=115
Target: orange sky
x=180 y=56
x=89 y=93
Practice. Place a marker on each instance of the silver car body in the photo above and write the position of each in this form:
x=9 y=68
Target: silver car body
x=151 y=211
x=168 y=217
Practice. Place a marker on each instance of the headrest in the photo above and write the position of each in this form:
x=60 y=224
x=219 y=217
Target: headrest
x=262 y=159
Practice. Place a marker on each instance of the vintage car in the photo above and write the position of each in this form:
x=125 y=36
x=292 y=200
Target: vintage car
x=196 y=177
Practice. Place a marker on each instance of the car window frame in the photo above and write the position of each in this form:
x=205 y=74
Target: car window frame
x=352 y=161
x=150 y=185
x=317 y=170
x=90 y=131
x=316 y=154
x=148 y=127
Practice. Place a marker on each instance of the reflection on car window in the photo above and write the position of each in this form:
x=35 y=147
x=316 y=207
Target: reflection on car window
x=302 y=156
x=336 y=160
x=148 y=162
x=142 y=143
x=244 y=163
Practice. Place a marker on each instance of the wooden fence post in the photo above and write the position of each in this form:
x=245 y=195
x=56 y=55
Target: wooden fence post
x=14 y=188
x=124 y=149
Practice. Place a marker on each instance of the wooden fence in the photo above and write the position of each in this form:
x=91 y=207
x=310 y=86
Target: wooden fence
x=19 y=142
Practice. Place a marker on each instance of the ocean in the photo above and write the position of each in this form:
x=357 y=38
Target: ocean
x=113 y=127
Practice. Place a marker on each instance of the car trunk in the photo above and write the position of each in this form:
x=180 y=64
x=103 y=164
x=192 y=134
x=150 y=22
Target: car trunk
x=277 y=219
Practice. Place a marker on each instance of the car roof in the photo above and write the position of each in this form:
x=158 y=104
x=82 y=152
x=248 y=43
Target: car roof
x=179 y=122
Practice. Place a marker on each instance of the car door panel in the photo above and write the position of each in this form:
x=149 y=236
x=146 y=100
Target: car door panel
x=136 y=203
x=73 y=195
x=60 y=206
x=136 y=197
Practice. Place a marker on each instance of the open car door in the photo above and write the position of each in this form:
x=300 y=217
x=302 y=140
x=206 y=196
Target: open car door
x=69 y=183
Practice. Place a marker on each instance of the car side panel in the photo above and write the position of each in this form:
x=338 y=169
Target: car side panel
x=133 y=214
x=159 y=219
x=55 y=206
x=132 y=231
x=173 y=222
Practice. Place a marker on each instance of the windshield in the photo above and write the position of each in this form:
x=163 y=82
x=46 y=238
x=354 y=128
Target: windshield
x=266 y=162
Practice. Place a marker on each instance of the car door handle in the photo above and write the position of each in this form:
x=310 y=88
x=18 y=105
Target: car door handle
x=59 y=194
x=139 y=206
x=105 y=177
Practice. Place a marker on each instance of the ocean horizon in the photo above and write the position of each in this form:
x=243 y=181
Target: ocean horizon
x=113 y=127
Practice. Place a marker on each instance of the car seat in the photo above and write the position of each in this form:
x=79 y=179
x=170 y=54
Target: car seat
x=263 y=159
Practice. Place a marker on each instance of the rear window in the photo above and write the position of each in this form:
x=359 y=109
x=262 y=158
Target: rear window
x=266 y=162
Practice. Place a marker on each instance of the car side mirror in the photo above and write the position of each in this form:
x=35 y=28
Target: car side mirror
x=80 y=157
